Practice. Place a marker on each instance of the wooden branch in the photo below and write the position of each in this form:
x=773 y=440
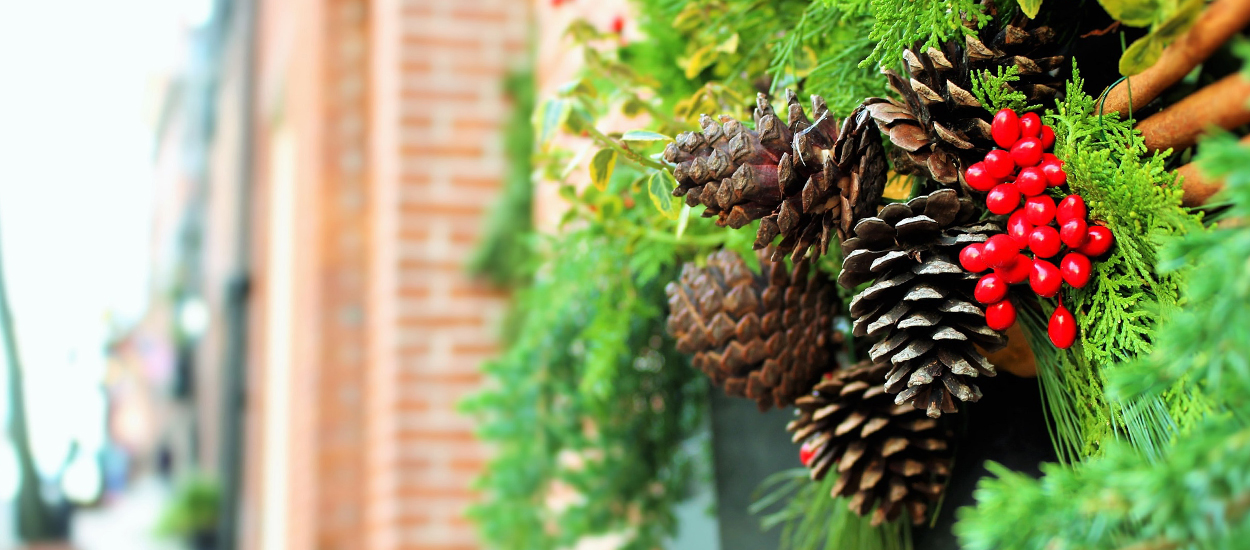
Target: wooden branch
x=1017 y=358
x=1221 y=104
x=1215 y=26
x=1198 y=187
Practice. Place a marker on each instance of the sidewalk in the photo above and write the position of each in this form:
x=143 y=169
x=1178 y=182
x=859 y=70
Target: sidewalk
x=128 y=522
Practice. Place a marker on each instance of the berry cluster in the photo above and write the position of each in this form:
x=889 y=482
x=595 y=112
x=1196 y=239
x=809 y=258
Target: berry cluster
x=1023 y=169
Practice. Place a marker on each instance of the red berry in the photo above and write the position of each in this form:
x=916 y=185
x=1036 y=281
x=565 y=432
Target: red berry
x=1005 y=128
x=1047 y=137
x=1055 y=176
x=1045 y=279
x=1018 y=228
x=1050 y=157
x=1030 y=125
x=1071 y=207
x=1027 y=152
x=972 y=258
x=991 y=288
x=1044 y=241
x=999 y=250
x=807 y=452
x=1001 y=315
x=999 y=164
x=1039 y=210
x=1076 y=269
x=1098 y=241
x=1003 y=198
x=1073 y=232
x=1062 y=328
x=979 y=178
x=618 y=24
x=1017 y=272
x=1031 y=181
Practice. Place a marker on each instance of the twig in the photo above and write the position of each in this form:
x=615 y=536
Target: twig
x=1215 y=26
x=1099 y=32
x=1220 y=104
x=631 y=155
x=1198 y=187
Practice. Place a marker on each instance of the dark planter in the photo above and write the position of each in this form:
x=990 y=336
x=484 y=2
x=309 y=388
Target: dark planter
x=204 y=540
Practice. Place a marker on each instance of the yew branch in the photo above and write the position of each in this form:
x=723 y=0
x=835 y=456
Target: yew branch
x=1198 y=187
x=1215 y=26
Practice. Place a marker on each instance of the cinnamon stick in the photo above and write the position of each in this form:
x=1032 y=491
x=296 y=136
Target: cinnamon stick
x=1215 y=26
x=1198 y=187
x=1221 y=104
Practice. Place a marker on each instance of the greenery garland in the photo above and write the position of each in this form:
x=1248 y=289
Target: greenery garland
x=591 y=401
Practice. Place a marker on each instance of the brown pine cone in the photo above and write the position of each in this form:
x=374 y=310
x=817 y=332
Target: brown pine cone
x=768 y=337
x=807 y=181
x=937 y=123
x=890 y=458
x=920 y=307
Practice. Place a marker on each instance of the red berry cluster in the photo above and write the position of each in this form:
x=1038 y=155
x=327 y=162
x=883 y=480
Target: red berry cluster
x=1022 y=168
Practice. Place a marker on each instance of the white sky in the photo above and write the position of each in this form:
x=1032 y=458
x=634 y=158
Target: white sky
x=75 y=187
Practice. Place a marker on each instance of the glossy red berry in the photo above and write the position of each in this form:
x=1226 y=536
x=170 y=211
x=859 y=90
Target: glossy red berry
x=1055 y=176
x=1050 y=157
x=1076 y=269
x=1044 y=241
x=972 y=258
x=1062 y=328
x=1016 y=272
x=618 y=24
x=1018 y=228
x=1003 y=199
x=999 y=250
x=807 y=452
x=1001 y=315
x=1047 y=137
x=1098 y=241
x=1031 y=181
x=1073 y=232
x=1030 y=125
x=990 y=289
x=1045 y=279
x=1039 y=210
x=1071 y=207
x=1027 y=152
x=1006 y=128
x=979 y=178
x=999 y=164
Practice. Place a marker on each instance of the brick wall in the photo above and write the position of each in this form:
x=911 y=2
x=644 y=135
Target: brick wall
x=439 y=107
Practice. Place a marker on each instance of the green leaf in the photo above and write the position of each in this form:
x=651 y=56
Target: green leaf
x=1134 y=13
x=701 y=59
x=549 y=118
x=1141 y=54
x=1030 y=7
x=660 y=187
x=580 y=87
x=1179 y=22
x=643 y=135
x=729 y=46
x=601 y=166
x=683 y=219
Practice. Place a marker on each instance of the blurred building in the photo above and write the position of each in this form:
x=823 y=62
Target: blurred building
x=324 y=169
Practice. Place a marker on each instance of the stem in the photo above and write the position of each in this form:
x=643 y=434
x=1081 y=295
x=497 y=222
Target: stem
x=1198 y=187
x=1215 y=26
x=631 y=155
x=1220 y=104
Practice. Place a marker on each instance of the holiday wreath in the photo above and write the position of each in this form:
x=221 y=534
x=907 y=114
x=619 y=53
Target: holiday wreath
x=1052 y=188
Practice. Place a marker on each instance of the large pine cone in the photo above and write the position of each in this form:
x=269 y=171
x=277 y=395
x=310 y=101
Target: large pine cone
x=768 y=337
x=889 y=457
x=938 y=125
x=920 y=306
x=808 y=182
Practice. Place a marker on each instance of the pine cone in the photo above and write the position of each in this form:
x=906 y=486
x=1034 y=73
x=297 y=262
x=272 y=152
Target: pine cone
x=807 y=181
x=768 y=337
x=938 y=124
x=920 y=306
x=889 y=457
